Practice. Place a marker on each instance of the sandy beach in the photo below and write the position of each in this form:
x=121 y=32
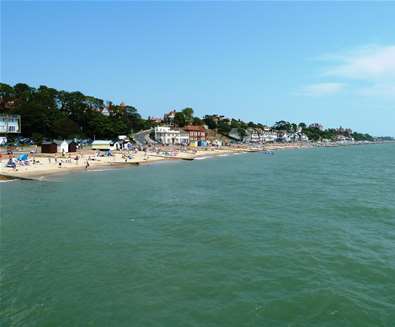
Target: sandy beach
x=40 y=165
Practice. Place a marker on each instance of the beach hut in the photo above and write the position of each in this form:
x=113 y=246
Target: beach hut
x=49 y=147
x=72 y=146
x=62 y=146
x=102 y=145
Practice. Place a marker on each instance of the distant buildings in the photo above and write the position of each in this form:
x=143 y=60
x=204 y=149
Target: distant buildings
x=196 y=133
x=266 y=135
x=10 y=124
x=167 y=135
x=155 y=120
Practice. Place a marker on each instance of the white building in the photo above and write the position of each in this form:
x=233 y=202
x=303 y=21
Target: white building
x=167 y=135
x=63 y=146
x=268 y=136
x=10 y=124
x=102 y=145
x=253 y=135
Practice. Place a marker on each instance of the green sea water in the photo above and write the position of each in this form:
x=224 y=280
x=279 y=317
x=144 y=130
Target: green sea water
x=301 y=238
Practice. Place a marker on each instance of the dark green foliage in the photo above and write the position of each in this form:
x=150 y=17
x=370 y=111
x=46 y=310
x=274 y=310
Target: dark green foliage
x=179 y=119
x=49 y=113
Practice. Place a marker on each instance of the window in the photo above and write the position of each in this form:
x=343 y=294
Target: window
x=11 y=129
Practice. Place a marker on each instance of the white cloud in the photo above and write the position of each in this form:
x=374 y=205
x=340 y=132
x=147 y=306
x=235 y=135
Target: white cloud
x=384 y=90
x=367 y=63
x=366 y=71
x=321 y=89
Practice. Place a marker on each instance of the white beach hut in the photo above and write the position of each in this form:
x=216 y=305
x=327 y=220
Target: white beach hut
x=102 y=145
x=63 y=146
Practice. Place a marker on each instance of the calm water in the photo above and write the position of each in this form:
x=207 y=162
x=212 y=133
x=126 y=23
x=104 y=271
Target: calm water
x=302 y=238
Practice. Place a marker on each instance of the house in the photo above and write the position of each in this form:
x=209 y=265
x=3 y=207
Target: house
x=196 y=133
x=168 y=118
x=269 y=136
x=105 y=112
x=252 y=135
x=10 y=124
x=155 y=120
x=282 y=136
x=104 y=145
x=167 y=135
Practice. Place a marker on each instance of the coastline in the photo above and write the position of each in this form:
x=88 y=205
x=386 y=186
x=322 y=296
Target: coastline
x=47 y=166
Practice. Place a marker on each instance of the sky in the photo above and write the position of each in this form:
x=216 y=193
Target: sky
x=332 y=63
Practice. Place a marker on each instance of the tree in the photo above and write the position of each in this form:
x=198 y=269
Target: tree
x=197 y=121
x=64 y=127
x=283 y=126
x=179 y=119
x=188 y=115
x=210 y=122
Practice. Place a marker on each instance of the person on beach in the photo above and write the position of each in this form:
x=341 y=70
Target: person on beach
x=87 y=165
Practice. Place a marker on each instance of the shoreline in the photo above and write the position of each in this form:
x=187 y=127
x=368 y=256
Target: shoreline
x=41 y=170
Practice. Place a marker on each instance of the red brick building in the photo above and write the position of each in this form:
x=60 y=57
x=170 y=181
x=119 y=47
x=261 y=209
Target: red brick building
x=196 y=133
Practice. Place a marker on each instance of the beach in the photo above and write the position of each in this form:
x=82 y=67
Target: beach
x=40 y=165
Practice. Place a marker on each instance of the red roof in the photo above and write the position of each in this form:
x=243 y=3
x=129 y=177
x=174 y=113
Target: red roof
x=192 y=128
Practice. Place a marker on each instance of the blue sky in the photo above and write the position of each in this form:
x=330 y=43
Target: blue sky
x=332 y=63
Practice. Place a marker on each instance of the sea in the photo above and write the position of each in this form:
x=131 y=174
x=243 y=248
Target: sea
x=299 y=238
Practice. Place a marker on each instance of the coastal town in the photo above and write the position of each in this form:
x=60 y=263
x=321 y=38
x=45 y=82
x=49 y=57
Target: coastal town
x=32 y=147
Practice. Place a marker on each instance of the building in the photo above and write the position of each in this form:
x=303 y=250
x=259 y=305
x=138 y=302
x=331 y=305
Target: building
x=268 y=136
x=283 y=136
x=155 y=120
x=196 y=133
x=105 y=145
x=168 y=118
x=167 y=135
x=10 y=124
x=252 y=135
x=49 y=147
x=62 y=146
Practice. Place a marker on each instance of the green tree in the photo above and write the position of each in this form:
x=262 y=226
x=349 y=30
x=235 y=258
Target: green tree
x=188 y=115
x=179 y=119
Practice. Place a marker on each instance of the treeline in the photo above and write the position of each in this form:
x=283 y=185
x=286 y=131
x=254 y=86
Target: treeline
x=315 y=133
x=50 y=113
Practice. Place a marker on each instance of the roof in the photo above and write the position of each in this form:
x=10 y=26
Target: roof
x=59 y=142
x=101 y=142
x=191 y=128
